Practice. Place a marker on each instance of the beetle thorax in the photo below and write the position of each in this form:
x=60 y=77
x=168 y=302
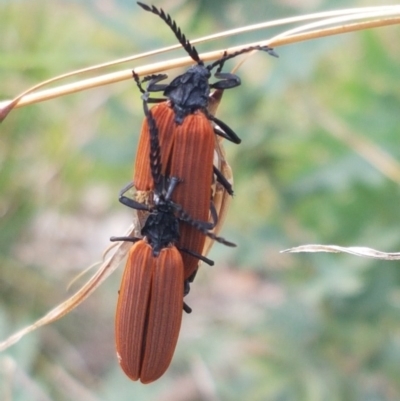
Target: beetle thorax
x=161 y=228
x=189 y=92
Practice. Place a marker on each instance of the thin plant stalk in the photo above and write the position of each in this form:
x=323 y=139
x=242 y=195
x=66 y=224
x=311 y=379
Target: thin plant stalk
x=287 y=37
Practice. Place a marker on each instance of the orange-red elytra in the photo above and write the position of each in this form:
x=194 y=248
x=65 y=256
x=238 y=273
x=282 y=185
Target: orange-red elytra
x=149 y=311
x=150 y=303
x=187 y=151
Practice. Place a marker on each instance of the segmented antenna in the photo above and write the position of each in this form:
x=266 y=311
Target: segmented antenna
x=226 y=57
x=155 y=153
x=152 y=77
x=191 y=50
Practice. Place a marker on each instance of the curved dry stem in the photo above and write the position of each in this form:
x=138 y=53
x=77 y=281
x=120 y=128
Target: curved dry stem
x=361 y=251
x=390 y=12
x=287 y=37
x=81 y=274
x=380 y=159
x=220 y=35
x=375 y=11
x=107 y=267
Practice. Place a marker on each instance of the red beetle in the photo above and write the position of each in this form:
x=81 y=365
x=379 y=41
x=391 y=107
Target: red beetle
x=150 y=302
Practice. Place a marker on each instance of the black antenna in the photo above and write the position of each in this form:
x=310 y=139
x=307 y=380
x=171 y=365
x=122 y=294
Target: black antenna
x=226 y=57
x=191 y=50
x=155 y=154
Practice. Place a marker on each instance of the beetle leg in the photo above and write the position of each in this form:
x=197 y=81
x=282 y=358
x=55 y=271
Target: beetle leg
x=201 y=227
x=214 y=216
x=126 y=188
x=186 y=290
x=224 y=130
x=223 y=181
x=130 y=202
x=133 y=204
x=227 y=81
x=187 y=308
x=154 y=78
x=198 y=256
x=191 y=278
x=188 y=281
x=126 y=239
x=172 y=183
x=152 y=86
x=186 y=287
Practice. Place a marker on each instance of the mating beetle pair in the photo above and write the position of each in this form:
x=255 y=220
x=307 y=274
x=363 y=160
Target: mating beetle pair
x=149 y=310
x=175 y=163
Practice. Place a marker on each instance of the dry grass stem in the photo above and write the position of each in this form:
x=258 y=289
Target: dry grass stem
x=107 y=268
x=353 y=250
x=288 y=37
x=367 y=149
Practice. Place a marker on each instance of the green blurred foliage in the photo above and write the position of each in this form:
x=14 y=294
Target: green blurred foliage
x=265 y=326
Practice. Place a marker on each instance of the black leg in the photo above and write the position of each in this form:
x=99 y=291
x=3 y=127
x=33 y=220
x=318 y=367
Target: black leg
x=225 y=131
x=130 y=202
x=223 y=181
x=227 y=81
x=214 y=216
x=125 y=239
x=133 y=204
x=173 y=182
x=182 y=215
x=152 y=87
x=198 y=256
x=187 y=308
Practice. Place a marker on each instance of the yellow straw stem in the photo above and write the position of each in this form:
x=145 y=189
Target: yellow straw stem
x=280 y=40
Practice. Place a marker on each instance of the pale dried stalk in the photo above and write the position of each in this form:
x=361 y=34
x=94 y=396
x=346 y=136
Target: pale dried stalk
x=107 y=267
x=231 y=32
x=352 y=250
x=221 y=198
x=285 y=38
x=379 y=158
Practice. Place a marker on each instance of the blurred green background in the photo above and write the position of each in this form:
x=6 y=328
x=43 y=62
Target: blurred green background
x=265 y=326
